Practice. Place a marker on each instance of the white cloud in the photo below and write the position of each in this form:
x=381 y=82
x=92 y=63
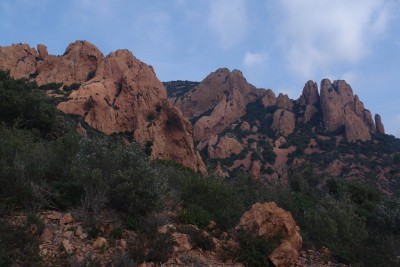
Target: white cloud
x=99 y=7
x=254 y=59
x=319 y=34
x=228 y=19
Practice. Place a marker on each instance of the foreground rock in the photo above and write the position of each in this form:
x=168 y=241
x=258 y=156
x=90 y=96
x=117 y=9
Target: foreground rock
x=267 y=220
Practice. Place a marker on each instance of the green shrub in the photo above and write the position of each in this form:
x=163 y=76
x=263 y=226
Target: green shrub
x=157 y=248
x=23 y=106
x=336 y=225
x=92 y=226
x=71 y=87
x=50 y=86
x=91 y=75
x=116 y=233
x=196 y=215
x=254 y=250
x=18 y=244
x=397 y=159
x=198 y=238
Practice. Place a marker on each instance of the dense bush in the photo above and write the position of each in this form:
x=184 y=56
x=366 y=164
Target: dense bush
x=23 y=106
x=198 y=238
x=71 y=87
x=254 y=250
x=153 y=248
x=43 y=164
x=17 y=243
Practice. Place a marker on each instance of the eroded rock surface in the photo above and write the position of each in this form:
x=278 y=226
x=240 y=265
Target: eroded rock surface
x=341 y=108
x=267 y=220
x=113 y=94
x=219 y=100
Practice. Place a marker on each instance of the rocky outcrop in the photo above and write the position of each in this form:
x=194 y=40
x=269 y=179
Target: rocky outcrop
x=219 y=100
x=309 y=100
x=80 y=59
x=283 y=102
x=379 y=125
x=269 y=99
x=224 y=148
x=310 y=94
x=20 y=59
x=126 y=96
x=256 y=169
x=267 y=220
x=118 y=93
x=284 y=122
x=340 y=108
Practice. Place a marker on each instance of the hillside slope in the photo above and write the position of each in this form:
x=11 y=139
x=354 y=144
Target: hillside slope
x=113 y=94
x=238 y=127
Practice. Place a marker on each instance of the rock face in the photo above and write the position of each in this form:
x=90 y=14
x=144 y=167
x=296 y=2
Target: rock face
x=269 y=99
x=20 y=59
x=379 y=126
x=219 y=100
x=80 y=58
x=309 y=99
x=117 y=93
x=269 y=220
x=226 y=147
x=283 y=102
x=340 y=108
x=283 y=122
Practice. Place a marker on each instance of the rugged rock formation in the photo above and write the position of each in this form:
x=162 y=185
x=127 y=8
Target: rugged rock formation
x=219 y=100
x=269 y=99
x=283 y=102
x=269 y=220
x=379 y=126
x=283 y=122
x=80 y=58
x=224 y=148
x=340 y=108
x=256 y=169
x=310 y=100
x=20 y=59
x=116 y=94
x=126 y=96
x=310 y=94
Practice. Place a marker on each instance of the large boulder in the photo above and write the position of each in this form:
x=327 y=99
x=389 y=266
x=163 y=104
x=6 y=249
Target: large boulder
x=267 y=220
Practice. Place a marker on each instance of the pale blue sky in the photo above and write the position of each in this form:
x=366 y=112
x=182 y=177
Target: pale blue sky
x=277 y=44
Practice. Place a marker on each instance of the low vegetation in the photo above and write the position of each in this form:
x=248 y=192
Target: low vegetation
x=45 y=164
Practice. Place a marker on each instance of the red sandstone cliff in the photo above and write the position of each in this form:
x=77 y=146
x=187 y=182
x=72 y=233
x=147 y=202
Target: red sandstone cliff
x=117 y=93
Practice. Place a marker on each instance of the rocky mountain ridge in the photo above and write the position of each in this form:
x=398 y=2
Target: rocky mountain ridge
x=238 y=127
x=113 y=94
x=221 y=99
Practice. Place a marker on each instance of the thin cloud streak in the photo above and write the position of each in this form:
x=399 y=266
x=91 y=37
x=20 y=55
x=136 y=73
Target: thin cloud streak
x=254 y=59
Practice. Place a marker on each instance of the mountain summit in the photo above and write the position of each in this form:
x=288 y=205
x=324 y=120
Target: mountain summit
x=238 y=127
